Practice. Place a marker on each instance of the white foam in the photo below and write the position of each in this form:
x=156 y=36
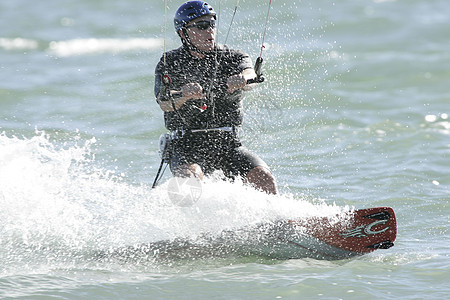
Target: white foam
x=18 y=44
x=95 y=46
x=57 y=196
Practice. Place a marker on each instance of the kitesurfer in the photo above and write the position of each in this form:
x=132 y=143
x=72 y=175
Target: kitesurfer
x=200 y=87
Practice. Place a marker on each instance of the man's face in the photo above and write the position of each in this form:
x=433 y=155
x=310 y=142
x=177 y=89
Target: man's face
x=202 y=32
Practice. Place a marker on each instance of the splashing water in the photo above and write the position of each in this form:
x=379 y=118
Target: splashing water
x=57 y=203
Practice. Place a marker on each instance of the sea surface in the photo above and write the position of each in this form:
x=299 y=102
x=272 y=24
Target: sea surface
x=354 y=113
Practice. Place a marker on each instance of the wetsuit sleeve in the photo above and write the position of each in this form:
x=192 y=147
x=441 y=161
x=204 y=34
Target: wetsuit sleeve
x=158 y=77
x=245 y=61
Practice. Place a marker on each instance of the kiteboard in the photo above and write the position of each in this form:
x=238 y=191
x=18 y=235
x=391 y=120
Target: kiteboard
x=343 y=236
x=357 y=233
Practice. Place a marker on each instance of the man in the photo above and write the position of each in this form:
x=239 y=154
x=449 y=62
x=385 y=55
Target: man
x=199 y=86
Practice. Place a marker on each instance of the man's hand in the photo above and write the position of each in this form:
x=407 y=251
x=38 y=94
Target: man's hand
x=188 y=91
x=239 y=81
x=236 y=82
x=192 y=91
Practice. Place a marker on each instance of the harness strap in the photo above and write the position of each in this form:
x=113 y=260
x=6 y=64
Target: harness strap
x=181 y=132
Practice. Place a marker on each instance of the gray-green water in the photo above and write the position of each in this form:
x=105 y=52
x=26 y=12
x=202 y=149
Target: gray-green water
x=354 y=112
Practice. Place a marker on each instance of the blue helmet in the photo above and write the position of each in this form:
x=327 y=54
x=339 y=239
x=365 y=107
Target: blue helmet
x=191 y=10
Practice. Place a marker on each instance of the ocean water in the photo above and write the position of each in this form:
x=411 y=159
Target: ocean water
x=354 y=113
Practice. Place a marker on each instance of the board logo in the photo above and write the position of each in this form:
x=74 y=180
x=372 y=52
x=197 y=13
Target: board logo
x=365 y=230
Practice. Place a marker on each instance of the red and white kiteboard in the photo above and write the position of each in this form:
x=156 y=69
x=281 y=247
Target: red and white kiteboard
x=358 y=233
x=336 y=237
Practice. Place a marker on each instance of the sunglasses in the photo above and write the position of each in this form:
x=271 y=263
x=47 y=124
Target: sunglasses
x=203 y=25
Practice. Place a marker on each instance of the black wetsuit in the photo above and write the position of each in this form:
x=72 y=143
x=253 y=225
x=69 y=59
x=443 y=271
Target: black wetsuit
x=213 y=149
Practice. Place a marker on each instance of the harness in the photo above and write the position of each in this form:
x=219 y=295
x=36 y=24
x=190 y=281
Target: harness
x=181 y=132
